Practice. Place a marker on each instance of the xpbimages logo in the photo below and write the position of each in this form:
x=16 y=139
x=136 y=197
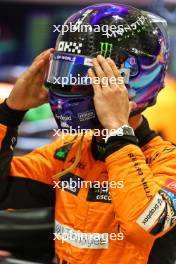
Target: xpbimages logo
x=84 y=240
x=69 y=130
x=106 y=30
x=82 y=80
x=73 y=183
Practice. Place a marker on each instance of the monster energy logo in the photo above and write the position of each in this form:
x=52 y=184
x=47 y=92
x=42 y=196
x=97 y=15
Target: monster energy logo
x=105 y=49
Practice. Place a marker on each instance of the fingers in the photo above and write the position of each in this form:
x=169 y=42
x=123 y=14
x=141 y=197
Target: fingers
x=34 y=69
x=96 y=87
x=105 y=66
x=100 y=74
x=40 y=60
x=44 y=54
x=46 y=96
x=113 y=66
x=108 y=73
x=117 y=74
x=97 y=67
x=38 y=66
x=43 y=94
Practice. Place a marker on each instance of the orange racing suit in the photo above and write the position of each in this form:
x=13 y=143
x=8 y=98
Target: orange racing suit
x=94 y=224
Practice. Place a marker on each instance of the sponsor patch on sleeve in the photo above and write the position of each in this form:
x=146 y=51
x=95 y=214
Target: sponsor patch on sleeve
x=152 y=214
x=160 y=215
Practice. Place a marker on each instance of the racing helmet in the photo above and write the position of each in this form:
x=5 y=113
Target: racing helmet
x=136 y=40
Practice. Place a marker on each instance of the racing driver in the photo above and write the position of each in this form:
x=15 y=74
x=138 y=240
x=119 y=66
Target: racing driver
x=96 y=224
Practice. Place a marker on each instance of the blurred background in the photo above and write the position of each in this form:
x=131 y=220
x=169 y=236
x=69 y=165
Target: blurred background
x=26 y=29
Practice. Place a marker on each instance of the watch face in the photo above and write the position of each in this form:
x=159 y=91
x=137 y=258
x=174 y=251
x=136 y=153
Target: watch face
x=128 y=131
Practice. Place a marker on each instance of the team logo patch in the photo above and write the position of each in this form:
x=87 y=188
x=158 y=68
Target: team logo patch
x=73 y=47
x=100 y=194
x=61 y=153
x=151 y=215
x=71 y=183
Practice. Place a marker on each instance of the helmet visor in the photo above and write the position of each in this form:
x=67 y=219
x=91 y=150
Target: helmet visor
x=68 y=73
x=68 y=69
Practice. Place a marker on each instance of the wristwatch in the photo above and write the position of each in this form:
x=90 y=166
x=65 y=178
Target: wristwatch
x=124 y=130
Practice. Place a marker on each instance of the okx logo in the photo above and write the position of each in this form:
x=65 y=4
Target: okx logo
x=106 y=49
x=73 y=47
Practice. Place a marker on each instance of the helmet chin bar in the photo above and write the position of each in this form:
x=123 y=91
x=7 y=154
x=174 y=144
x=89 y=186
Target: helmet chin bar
x=73 y=112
